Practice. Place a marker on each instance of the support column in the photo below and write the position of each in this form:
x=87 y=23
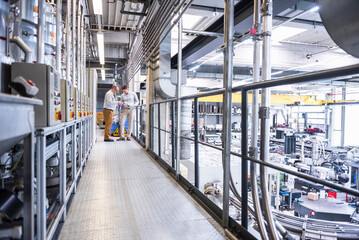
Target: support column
x=227 y=105
x=255 y=121
x=266 y=11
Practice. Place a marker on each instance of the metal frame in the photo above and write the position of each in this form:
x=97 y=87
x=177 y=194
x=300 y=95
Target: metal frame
x=83 y=132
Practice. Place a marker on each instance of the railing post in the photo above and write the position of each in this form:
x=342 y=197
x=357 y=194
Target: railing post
x=150 y=127
x=159 y=129
x=196 y=139
x=173 y=137
x=244 y=147
x=137 y=122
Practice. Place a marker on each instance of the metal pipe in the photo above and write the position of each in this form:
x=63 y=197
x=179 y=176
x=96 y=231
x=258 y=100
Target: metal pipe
x=160 y=29
x=41 y=33
x=58 y=36
x=173 y=24
x=227 y=114
x=152 y=24
x=68 y=39
x=41 y=187
x=244 y=166
x=196 y=140
x=157 y=29
x=255 y=123
x=179 y=94
x=62 y=169
x=74 y=45
x=78 y=48
x=265 y=116
x=342 y=127
x=23 y=46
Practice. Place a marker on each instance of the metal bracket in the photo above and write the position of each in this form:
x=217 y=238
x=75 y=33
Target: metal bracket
x=252 y=151
x=264 y=112
x=267 y=33
x=266 y=8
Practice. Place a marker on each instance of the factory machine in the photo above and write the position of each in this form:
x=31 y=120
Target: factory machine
x=49 y=113
x=67 y=99
x=77 y=104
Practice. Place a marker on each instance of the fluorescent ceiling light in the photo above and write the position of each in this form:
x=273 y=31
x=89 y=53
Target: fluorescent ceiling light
x=97 y=7
x=281 y=33
x=101 y=47
x=316 y=8
x=103 y=76
x=190 y=21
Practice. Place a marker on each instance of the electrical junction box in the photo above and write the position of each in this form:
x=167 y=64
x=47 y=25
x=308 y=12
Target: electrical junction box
x=47 y=80
x=77 y=100
x=67 y=99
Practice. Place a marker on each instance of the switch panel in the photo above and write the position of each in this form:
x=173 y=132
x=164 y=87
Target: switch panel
x=47 y=80
x=77 y=101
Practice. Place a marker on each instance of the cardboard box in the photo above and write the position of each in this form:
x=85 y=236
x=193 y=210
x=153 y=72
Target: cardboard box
x=313 y=196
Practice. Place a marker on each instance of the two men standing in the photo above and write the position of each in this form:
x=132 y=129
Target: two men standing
x=128 y=102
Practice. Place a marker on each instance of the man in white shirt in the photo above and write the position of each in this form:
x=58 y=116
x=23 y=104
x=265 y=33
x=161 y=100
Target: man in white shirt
x=109 y=105
x=128 y=103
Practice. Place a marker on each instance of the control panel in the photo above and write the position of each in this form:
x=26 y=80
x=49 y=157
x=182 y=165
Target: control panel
x=67 y=99
x=47 y=80
x=83 y=104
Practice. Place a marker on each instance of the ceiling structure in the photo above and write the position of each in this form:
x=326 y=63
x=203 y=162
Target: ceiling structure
x=300 y=45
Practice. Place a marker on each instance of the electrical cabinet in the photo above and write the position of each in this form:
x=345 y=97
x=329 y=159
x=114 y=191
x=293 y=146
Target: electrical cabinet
x=67 y=101
x=47 y=80
x=83 y=104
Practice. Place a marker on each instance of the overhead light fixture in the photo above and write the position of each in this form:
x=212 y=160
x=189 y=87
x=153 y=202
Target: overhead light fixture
x=101 y=47
x=103 y=75
x=97 y=7
x=314 y=9
x=194 y=68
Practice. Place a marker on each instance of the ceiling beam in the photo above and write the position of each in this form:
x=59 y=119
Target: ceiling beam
x=243 y=21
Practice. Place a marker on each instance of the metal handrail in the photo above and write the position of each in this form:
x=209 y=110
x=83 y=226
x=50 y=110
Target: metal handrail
x=331 y=74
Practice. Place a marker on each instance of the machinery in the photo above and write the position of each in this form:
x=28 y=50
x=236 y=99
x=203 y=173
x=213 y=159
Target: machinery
x=83 y=105
x=47 y=79
x=67 y=99
x=77 y=101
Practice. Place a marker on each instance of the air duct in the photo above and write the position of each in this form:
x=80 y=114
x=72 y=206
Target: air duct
x=340 y=19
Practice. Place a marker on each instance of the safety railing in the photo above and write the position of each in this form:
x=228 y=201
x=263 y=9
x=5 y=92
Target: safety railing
x=163 y=132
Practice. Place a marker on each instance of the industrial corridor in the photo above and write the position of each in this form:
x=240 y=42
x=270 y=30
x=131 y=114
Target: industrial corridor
x=123 y=194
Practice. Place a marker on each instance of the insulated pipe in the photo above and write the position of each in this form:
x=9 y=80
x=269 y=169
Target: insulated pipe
x=58 y=36
x=227 y=114
x=266 y=11
x=254 y=131
x=68 y=39
x=73 y=53
x=41 y=33
x=178 y=112
x=23 y=46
